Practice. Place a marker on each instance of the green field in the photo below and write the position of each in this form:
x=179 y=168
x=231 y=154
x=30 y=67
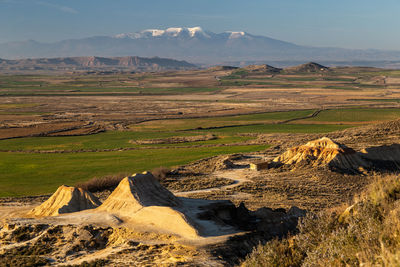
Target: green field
x=25 y=173
x=357 y=115
x=34 y=174
x=107 y=140
x=282 y=128
x=185 y=124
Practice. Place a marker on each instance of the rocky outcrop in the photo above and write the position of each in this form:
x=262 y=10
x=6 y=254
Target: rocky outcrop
x=66 y=199
x=323 y=152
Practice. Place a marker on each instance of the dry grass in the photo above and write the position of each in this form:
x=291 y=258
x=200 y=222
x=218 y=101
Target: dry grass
x=367 y=234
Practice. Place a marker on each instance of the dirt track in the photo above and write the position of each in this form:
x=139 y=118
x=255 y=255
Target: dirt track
x=236 y=175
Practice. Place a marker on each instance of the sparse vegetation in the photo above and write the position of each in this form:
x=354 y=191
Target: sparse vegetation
x=366 y=234
x=160 y=173
x=13 y=259
x=97 y=184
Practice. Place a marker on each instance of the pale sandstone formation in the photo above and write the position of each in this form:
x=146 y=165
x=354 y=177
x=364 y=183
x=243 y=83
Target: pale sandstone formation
x=323 y=152
x=140 y=199
x=136 y=192
x=66 y=199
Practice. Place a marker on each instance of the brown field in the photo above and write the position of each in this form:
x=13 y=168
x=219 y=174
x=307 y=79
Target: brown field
x=115 y=101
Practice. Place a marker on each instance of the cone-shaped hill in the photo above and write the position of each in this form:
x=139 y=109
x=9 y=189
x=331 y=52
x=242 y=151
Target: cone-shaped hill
x=140 y=199
x=139 y=191
x=66 y=199
x=323 y=152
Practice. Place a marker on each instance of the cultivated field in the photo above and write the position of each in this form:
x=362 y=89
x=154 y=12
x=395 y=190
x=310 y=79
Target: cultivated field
x=70 y=127
x=238 y=155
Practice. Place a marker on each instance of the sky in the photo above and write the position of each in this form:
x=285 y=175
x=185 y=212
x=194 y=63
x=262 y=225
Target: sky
x=340 y=23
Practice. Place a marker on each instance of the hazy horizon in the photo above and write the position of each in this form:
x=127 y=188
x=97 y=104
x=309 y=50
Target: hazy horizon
x=357 y=25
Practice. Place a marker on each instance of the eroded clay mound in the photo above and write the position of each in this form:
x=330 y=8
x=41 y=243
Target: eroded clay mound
x=66 y=199
x=138 y=191
x=140 y=199
x=323 y=152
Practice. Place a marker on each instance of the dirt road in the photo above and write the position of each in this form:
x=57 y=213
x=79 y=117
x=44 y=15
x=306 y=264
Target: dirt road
x=237 y=175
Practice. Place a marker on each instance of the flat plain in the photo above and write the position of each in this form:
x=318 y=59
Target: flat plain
x=66 y=128
x=238 y=157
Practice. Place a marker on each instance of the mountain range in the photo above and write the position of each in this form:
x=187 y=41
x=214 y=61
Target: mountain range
x=192 y=44
x=92 y=63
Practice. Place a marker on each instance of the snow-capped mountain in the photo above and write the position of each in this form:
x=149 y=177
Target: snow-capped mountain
x=170 y=32
x=195 y=32
x=193 y=44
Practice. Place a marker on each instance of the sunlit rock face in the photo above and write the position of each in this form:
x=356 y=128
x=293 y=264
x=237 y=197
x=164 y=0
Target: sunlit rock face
x=323 y=152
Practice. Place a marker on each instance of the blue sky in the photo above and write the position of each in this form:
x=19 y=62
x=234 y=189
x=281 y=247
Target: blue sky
x=340 y=23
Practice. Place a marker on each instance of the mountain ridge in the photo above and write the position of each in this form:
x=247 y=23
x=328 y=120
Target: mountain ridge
x=190 y=44
x=92 y=63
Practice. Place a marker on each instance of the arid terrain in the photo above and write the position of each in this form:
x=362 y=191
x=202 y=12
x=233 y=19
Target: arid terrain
x=238 y=156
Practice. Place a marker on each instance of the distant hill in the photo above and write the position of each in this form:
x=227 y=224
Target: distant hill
x=194 y=45
x=262 y=69
x=95 y=63
x=308 y=67
x=221 y=68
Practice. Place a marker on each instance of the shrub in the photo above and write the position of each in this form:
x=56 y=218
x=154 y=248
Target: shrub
x=160 y=173
x=280 y=253
x=97 y=184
